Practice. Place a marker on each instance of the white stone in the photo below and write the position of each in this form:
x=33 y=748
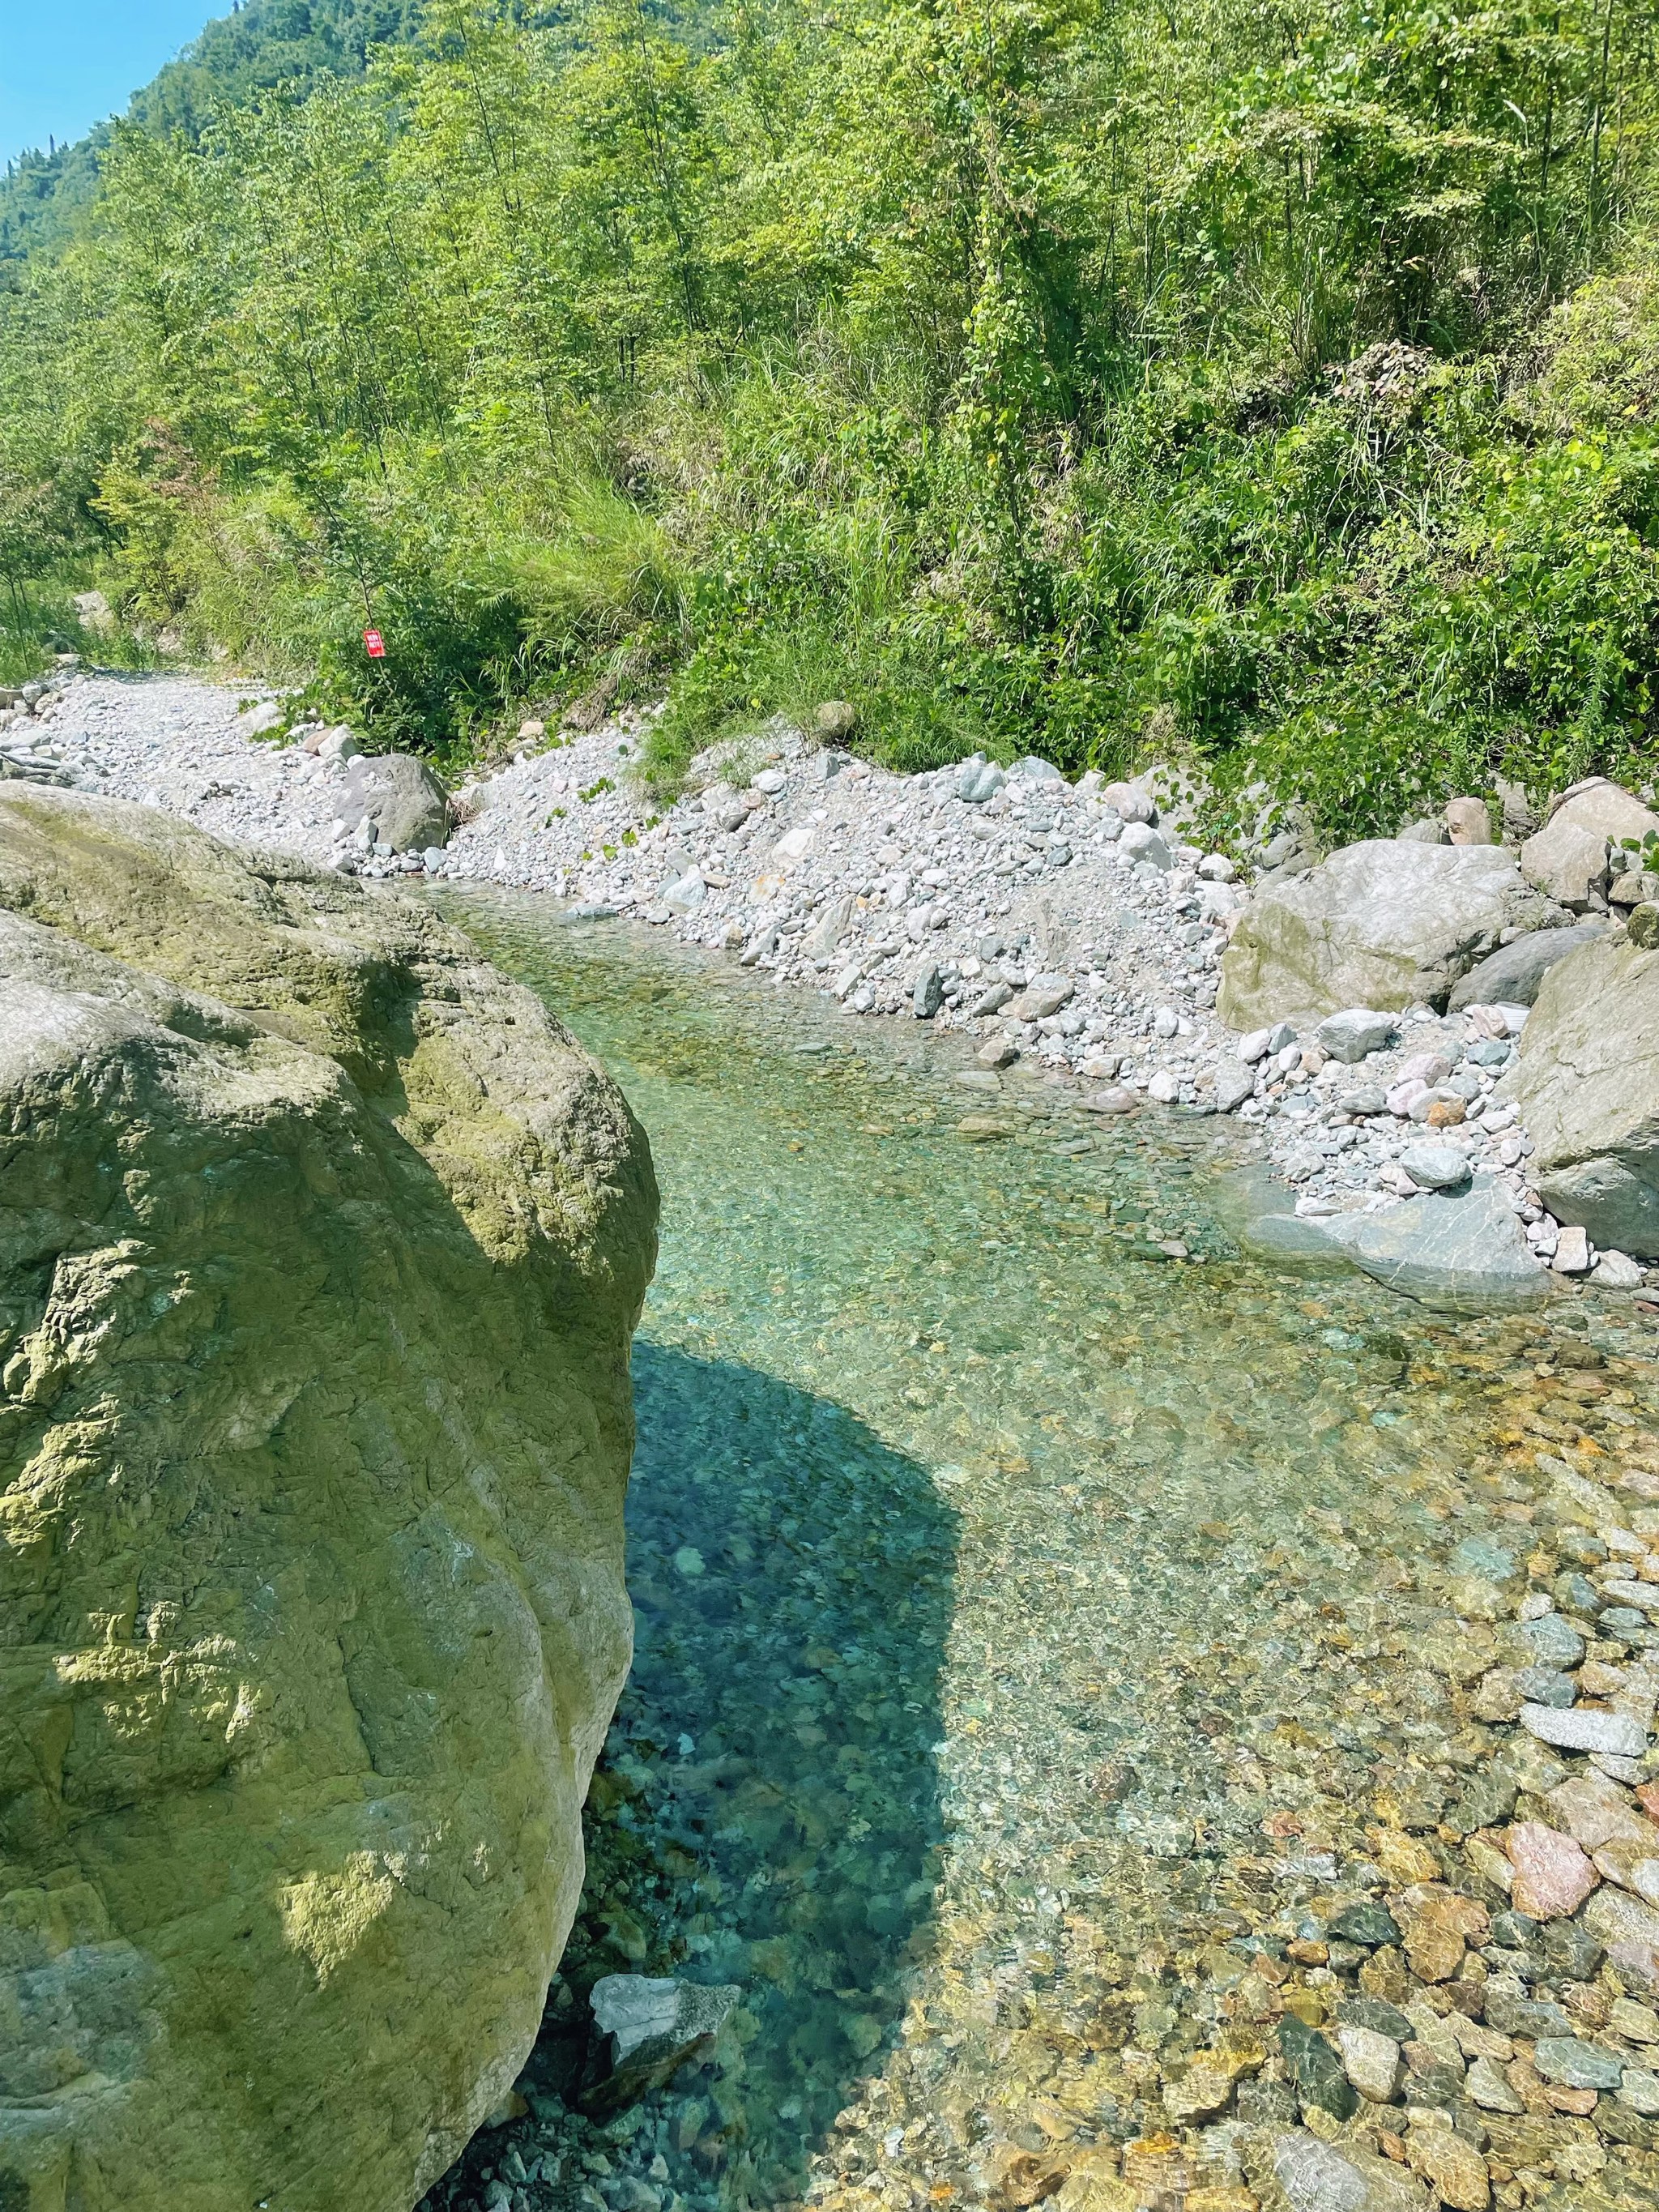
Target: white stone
x=1143 y=843
x=1579 y=1729
x=1372 y=2063
x=1571 y=1251
x=1617 y=1271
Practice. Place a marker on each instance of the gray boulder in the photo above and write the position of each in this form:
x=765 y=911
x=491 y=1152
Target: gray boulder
x=1569 y=857
x=1129 y=802
x=1453 y=1254
x=1607 y=807
x=1587 y=1086
x=1382 y=924
x=1568 y=863
x=978 y=779
x=400 y=797
x=1234 y=1084
x=1511 y=976
x=1356 y=1033
x=1435 y=1167
x=1143 y=843
x=1468 y=822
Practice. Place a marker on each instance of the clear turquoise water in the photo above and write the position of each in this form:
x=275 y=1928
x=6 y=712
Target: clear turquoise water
x=996 y=1577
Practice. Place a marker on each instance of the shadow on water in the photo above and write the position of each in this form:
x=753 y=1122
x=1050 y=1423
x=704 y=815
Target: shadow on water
x=766 y=1812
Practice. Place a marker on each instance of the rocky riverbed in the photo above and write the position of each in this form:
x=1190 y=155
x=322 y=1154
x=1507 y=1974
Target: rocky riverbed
x=1133 y=1727
x=1071 y=929
x=1137 y=1731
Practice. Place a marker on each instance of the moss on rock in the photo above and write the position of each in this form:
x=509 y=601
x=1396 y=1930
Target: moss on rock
x=320 y=1248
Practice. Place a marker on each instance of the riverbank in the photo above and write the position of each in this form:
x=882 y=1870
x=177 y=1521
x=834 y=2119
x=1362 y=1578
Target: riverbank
x=1066 y=933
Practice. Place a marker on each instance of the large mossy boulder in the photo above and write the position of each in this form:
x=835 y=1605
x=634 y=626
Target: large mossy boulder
x=320 y=1248
x=1386 y=923
x=1587 y=1086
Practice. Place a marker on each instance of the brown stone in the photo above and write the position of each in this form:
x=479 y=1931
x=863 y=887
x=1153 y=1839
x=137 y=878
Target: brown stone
x=1438 y=1922
x=1446 y=1114
x=1634 y=1862
x=1384 y=1975
x=1579 y=2102
x=1015 y=2179
x=1451 y=2167
x=1468 y=821
x=1594 y=1810
x=1403 y=1859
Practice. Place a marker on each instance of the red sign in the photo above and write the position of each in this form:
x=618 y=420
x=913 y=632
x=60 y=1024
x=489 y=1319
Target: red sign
x=373 y=645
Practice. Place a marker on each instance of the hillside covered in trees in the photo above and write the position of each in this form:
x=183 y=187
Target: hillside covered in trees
x=261 y=45
x=1269 y=380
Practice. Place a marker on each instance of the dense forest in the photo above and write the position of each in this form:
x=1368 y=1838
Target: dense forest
x=1270 y=380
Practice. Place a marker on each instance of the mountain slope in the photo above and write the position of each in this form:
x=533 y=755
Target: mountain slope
x=265 y=43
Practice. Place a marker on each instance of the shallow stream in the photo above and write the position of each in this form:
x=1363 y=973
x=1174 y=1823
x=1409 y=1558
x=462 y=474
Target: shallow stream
x=1023 y=1608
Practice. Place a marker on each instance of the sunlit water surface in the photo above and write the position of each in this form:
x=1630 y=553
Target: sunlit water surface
x=996 y=1577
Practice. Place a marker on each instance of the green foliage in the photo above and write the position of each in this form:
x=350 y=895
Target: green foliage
x=1272 y=384
x=262 y=45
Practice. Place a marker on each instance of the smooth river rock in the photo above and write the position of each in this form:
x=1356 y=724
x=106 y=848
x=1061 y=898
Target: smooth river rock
x=1587 y=1088
x=1455 y=1253
x=1382 y=925
x=1512 y=976
x=1321 y=2177
x=320 y=1248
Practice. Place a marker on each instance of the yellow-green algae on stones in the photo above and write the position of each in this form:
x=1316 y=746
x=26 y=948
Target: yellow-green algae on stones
x=320 y=1248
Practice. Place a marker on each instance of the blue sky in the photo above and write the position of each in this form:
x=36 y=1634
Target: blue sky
x=66 y=63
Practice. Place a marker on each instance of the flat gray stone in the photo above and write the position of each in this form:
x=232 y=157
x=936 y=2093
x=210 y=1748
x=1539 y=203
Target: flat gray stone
x=1551 y=1642
x=1488 y=2086
x=1254 y=1208
x=654 y=2024
x=1317 y=2177
x=1578 y=2065
x=1512 y=976
x=1356 y=1033
x=1586 y=1730
x=1234 y=1084
x=1587 y=1088
x=1455 y=1254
